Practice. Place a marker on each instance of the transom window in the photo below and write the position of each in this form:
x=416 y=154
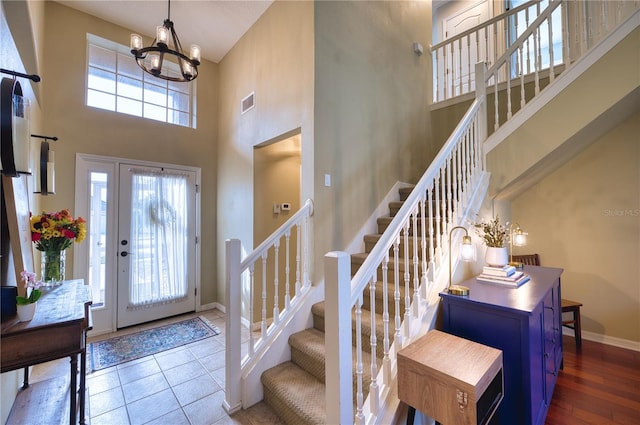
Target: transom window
x=115 y=82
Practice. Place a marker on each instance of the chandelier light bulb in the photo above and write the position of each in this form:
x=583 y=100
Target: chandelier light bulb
x=136 y=42
x=162 y=36
x=195 y=53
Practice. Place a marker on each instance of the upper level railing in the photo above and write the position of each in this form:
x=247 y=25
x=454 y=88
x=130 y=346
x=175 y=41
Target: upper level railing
x=533 y=42
x=263 y=289
x=454 y=59
x=408 y=257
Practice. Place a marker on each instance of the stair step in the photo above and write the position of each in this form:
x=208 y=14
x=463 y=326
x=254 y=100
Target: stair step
x=371 y=240
x=384 y=222
x=358 y=259
x=308 y=352
x=297 y=396
x=318 y=312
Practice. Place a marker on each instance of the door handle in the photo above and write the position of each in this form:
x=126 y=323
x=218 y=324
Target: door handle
x=124 y=253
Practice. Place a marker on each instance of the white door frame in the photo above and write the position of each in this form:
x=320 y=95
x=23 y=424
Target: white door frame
x=104 y=320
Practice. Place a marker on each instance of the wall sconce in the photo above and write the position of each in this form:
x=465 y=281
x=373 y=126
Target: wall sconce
x=468 y=253
x=517 y=237
x=47 y=180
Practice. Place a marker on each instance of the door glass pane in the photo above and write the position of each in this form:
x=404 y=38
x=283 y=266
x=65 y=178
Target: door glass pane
x=158 y=240
x=98 y=237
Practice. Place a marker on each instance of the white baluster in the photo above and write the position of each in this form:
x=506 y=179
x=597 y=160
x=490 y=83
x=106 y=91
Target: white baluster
x=386 y=361
x=424 y=280
x=396 y=294
x=551 y=60
x=287 y=295
x=432 y=253
x=359 y=419
x=373 y=386
x=416 y=276
x=407 y=281
x=276 y=284
x=252 y=284
x=522 y=101
x=298 y=246
x=508 y=65
x=263 y=324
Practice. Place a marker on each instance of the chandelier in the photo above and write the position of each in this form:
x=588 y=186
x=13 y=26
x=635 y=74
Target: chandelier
x=166 y=45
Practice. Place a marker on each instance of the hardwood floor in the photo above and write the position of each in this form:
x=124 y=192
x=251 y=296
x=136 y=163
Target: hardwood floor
x=600 y=385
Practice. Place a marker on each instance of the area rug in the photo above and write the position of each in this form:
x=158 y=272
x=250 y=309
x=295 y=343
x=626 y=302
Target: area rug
x=121 y=349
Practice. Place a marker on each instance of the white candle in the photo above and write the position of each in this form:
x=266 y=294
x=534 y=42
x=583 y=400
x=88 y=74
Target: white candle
x=51 y=176
x=21 y=134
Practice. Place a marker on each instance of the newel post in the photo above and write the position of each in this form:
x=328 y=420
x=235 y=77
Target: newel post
x=232 y=399
x=339 y=368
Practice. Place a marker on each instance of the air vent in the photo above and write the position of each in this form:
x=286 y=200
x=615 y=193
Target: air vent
x=248 y=103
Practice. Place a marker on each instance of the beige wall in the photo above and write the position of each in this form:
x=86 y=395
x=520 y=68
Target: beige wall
x=585 y=218
x=371 y=129
x=274 y=59
x=94 y=131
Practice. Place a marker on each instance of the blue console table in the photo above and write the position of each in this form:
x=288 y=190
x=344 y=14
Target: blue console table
x=526 y=324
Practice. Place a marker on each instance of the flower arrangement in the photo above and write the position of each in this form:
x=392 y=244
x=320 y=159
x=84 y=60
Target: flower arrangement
x=492 y=232
x=33 y=291
x=57 y=231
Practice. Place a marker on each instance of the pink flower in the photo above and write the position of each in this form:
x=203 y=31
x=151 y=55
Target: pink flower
x=29 y=280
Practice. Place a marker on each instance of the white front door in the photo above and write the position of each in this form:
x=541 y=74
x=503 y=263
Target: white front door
x=156 y=243
x=142 y=223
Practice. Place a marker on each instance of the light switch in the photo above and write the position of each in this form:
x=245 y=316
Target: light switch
x=327 y=180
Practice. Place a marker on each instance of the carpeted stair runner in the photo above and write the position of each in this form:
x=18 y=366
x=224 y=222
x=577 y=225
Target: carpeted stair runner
x=295 y=390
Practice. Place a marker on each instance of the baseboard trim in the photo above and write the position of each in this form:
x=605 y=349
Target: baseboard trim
x=605 y=339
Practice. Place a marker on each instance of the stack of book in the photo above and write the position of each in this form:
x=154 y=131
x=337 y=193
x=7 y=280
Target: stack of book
x=506 y=275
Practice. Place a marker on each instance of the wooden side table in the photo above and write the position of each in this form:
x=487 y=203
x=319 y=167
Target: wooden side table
x=58 y=329
x=453 y=380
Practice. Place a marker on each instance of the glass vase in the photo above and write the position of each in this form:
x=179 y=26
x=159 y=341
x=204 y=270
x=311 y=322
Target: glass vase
x=52 y=267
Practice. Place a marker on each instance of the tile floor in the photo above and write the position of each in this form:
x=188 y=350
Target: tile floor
x=184 y=385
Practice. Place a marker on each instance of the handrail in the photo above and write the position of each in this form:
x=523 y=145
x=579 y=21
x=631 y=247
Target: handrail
x=241 y=286
x=306 y=210
x=395 y=227
x=534 y=26
x=443 y=197
x=485 y=24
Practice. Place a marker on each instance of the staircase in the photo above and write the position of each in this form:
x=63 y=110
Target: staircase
x=406 y=257
x=296 y=389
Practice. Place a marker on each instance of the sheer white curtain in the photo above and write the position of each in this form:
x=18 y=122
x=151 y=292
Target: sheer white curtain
x=158 y=238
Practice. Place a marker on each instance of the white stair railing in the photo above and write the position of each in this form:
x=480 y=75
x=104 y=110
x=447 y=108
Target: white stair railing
x=584 y=25
x=416 y=239
x=287 y=245
x=454 y=59
x=533 y=42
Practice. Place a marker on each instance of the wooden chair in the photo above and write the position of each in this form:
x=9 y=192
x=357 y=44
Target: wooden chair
x=568 y=306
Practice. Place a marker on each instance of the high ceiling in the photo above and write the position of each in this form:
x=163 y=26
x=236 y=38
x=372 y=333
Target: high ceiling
x=215 y=25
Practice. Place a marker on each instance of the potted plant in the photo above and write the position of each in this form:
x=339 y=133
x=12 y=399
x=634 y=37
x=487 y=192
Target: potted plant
x=494 y=236
x=26 y=306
